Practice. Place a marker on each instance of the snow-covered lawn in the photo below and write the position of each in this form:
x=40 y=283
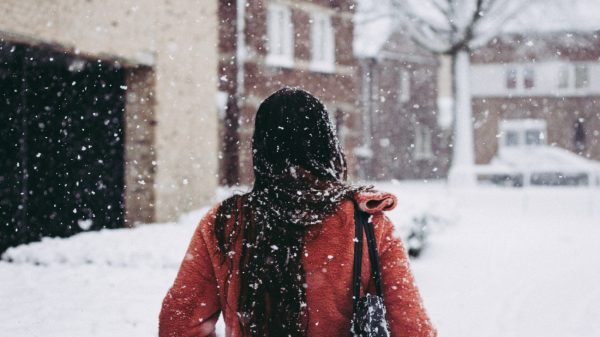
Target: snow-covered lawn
x=508 y=262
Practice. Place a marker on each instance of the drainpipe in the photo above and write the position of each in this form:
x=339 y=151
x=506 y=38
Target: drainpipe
x=233 y=176
x=240 y=53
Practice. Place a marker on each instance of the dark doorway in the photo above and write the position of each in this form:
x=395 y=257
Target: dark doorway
x=61 y=144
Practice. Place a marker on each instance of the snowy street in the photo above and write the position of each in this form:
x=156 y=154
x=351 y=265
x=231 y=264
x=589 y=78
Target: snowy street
x=508 y=262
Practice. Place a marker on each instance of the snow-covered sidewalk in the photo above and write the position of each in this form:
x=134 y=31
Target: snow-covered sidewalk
x=509 y=262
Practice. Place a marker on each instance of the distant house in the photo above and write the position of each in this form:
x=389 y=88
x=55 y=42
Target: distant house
x=403 y=138
x=267 y=44
x=544 y=65
x=549 y=76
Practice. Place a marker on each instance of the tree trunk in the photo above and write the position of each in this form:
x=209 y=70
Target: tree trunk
x=462 y=169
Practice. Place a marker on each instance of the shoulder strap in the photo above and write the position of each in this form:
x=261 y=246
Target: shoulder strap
x=356 y=270
x=361 y=221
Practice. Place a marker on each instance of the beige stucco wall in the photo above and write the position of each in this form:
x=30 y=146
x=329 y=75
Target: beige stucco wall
x=178 y=40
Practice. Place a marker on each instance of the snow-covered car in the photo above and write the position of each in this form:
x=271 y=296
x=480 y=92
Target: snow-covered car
x=524 y=158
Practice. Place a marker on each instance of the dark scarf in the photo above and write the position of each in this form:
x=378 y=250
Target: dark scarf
x=299 y=199
x=277 y=215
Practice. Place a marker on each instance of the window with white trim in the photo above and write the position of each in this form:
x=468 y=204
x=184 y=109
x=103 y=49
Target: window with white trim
x=582 y=74
x=528 y=77
x=563 y=76
x=280 y=36
x=573 y=76
x=511 y=77
x=422 y=142
x=404 y=86
x=519 y=133
x=520 y=77
x=322 y=42
x=511 y=138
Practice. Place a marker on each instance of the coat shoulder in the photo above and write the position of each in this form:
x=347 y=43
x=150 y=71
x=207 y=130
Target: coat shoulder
x=374 y=201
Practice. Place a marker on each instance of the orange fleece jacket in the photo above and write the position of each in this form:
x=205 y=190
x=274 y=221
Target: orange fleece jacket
x=194 y=302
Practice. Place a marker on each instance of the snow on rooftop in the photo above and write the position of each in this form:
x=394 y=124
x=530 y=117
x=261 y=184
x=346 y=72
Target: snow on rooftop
x=555 y=16
x=374 y=22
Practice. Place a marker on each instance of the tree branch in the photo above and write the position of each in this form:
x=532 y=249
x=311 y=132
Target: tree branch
x=483 y=35
x=450 y=36
x=426 y=36
x=447 y=12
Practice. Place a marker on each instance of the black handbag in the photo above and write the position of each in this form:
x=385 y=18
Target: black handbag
x=368 y=313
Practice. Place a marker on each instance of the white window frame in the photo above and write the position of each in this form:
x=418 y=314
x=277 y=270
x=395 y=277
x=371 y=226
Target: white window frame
x=404 y=86
x=528 y=69
x=586 y=83
x=520 y=127
x=570 y=74
x=509 y=71
x=280 y=36
x=564 y=76
x=423 y=148
x=322 y=42
x=520 y=70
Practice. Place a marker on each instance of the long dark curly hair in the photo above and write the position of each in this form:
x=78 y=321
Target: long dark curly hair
x=299 y=171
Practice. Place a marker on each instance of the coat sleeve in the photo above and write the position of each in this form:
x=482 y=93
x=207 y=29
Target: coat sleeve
x=191 y=306
x=405 y=313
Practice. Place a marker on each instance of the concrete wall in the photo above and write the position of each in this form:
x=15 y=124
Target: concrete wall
x=177 y=44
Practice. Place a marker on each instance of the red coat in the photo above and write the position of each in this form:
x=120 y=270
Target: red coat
x=192 y=305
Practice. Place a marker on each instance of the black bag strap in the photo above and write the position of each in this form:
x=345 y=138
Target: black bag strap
x=361 y=221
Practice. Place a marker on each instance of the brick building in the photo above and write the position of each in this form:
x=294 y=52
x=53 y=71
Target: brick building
x=402 y=135
x=267 y=44
x=550 y=76
x=105 y=114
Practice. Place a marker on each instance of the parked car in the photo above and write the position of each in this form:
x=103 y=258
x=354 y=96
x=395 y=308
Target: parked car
x=524 y=158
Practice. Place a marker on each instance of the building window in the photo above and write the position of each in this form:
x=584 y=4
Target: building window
x=518 y=133
x=511 y=77
x=404 y=86
x=573 y=76
x=511 y=138
x=322 y=43
x=563 y=76
x=579 y=136
x=528 y=77
x=581 y=76
x=422 y=142
x=280 y=36
x=519 y=77
x=534 y=137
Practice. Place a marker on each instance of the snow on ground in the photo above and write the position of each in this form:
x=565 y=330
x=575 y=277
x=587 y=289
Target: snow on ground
x=156 y=246
x=516 y=264
x=507 y=262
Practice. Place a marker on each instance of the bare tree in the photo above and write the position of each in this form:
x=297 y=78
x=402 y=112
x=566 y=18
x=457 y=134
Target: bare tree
x=455 y=28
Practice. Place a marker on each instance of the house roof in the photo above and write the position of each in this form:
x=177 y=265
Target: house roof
x=556 y=16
